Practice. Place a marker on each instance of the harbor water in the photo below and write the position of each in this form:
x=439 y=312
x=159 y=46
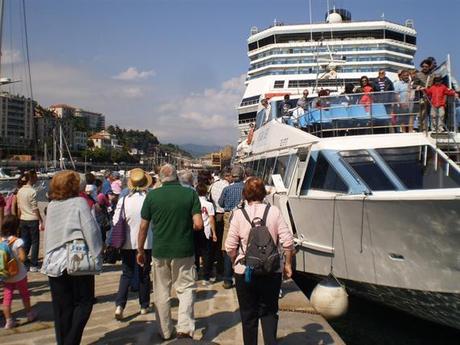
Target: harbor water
x=368 y=323
x=41 y=186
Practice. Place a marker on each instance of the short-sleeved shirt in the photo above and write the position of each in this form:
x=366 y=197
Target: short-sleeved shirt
x=106 y=187
x=207 y=210
x=27 y=202
x=170 y=209
x=402 y=88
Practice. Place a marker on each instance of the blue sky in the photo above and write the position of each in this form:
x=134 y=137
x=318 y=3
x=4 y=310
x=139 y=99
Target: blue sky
x=176 y=67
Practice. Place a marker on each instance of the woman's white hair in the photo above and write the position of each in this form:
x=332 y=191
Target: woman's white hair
x=186 y=177
x=168 y=173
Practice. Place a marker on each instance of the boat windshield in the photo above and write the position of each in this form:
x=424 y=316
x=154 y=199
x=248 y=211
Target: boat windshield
x=420 y=167
x=368 y=169
x=385 y=169
x=402 y=168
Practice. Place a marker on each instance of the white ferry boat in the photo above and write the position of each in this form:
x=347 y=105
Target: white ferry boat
x=377 y=207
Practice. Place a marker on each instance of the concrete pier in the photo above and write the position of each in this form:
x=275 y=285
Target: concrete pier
x=216 y=311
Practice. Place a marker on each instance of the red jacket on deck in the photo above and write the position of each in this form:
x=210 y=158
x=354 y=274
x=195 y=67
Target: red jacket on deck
x=438 y=93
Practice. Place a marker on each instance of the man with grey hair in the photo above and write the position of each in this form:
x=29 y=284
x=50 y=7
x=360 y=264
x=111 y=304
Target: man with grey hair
x=175 y=212
x=186 y=178
x=229 y=200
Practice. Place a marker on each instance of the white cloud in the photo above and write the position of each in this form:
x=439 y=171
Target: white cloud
x=11 y=56
x=202 y=116
x=207 y=117
x=132 y=74
x=56 y=83
x=132 y=92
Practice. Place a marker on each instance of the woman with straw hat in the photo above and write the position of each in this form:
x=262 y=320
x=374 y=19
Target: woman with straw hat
x=130 y=207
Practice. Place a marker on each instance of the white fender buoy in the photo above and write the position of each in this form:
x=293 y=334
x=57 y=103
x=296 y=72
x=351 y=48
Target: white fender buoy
x=329 y=298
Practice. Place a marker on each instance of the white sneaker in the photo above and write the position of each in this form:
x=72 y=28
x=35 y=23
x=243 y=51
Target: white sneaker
x=10 y=323
x=34 y=269
x=119 y=313
x=145 y=311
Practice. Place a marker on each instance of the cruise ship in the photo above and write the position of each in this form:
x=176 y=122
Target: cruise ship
x=368 y=199
x=286 y=59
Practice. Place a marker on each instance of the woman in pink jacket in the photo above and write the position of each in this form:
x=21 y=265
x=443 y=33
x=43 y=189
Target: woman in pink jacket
x=258 y=295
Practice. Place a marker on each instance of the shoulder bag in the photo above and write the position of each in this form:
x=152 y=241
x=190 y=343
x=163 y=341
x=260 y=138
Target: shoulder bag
x=80 y=261
x=119 y=229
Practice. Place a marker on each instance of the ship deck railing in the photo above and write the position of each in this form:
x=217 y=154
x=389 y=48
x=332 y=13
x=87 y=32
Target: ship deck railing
x=364 y=113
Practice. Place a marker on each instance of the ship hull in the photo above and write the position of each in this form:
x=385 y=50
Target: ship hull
x=402 y=253
x=438 y=307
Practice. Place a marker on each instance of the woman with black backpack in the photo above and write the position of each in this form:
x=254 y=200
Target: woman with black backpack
x=257 y=232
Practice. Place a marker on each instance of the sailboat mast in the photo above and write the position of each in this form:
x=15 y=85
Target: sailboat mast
x=2 y=10
x=45 y=158
x=54 y=148
x=61 y=148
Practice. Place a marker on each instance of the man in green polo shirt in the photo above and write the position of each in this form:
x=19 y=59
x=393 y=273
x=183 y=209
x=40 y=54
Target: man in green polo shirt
x=175 y=212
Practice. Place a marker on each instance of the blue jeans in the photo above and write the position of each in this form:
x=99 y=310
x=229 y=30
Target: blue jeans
x=129 y=269
x=228 y=269
x=30 y=234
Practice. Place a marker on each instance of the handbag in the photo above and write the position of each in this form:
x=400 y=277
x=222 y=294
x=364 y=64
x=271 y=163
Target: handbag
x=118 y=236
x=80 y=261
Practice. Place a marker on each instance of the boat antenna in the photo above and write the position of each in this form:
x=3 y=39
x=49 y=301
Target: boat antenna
x=2 y=7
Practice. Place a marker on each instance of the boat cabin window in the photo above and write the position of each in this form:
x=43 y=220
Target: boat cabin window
x=419 y=167
x=260 y=168
x=269 y=165
x=284 y=166
x=260 y=118
x=321 y=175
x=369 y=171
x=254 y=166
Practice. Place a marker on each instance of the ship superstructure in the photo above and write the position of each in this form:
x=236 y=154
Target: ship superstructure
x=286 y=59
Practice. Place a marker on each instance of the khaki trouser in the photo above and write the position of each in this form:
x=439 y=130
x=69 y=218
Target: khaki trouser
x=227 y=218
x=437 y=118
x=181 y=273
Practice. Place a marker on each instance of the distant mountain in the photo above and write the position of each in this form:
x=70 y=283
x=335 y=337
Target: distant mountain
x=200 y=150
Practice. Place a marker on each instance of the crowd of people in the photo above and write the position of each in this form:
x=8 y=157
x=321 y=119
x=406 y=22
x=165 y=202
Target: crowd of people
x=416 y=100
x=176 y=229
